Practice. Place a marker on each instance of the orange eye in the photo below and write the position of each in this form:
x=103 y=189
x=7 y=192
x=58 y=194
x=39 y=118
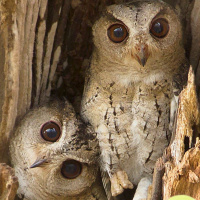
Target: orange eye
x=71 y=169
x=50 y=131
x=159 y=28
x=117 y=33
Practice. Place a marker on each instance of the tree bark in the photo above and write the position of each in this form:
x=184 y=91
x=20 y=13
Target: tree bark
x=182 y=168
x=45 y=48
x=8 y=183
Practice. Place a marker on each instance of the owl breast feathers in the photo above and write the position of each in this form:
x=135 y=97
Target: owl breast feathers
x=54 y=155
x=136 y=72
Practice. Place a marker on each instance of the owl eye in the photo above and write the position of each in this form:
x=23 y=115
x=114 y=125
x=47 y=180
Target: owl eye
x=117 y=33
x=50 y=131
x=159 y=28
x=71 y=169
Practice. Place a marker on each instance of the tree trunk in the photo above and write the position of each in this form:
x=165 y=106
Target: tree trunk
x=45 y=47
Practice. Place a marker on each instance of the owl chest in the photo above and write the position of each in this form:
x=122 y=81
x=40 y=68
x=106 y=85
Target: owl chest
x=151 y=108
x=147 y=106
x=150 y=124
x=117 y=114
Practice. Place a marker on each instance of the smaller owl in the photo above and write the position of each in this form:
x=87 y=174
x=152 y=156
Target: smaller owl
x=54 y=155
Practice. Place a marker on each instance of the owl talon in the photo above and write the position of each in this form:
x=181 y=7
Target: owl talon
x=119 y=182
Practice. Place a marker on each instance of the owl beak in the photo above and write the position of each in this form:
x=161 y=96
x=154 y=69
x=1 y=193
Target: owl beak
x=142 y=54
x=39 y=162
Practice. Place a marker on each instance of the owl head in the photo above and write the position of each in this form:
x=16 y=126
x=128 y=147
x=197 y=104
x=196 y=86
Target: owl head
x=54 y=154
x=138 y=36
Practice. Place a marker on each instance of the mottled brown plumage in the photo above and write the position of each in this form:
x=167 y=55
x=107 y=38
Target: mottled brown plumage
x=39 y=163
x=135 y=75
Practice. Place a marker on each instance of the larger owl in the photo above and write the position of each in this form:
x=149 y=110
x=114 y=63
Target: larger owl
x=131 y=89
x=54 y=156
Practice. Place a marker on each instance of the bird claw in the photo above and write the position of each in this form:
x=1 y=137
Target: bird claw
x=119 y=182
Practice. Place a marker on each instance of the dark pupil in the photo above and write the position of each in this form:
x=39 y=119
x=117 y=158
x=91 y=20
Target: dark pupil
x=158 y=28
x=51 y=132
x=71 y=169
x=118 y=32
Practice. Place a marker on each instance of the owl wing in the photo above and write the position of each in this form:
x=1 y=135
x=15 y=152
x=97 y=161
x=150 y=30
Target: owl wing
x=179 y=82
x=180 y=79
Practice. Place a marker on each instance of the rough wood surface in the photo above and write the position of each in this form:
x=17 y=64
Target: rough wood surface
x=8 y=183
x=182 y=169
x=10 y=59
x=45 y=47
